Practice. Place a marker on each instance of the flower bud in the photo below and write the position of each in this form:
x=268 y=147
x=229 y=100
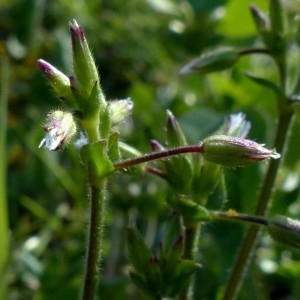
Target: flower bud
x=285 y=230
x=175 y=136
x=120 y=110
x=218 y=60
x=234 y=151
x=83 y=62
x=60 y=127
x=157 y=146
x=59 y=82
x=262 y=23
x=138 y=252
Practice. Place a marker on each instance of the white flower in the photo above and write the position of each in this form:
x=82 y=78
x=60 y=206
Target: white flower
x=60 y=127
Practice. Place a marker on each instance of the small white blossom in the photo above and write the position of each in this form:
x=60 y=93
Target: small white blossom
x=120 y=110
x=60 y=127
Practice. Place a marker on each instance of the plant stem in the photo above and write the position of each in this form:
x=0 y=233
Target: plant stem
x=157 y=155
x=239 y=217
x=245 y=252
x=4 y=249
x=254 y=51
x=189 y=252
x=95 y=241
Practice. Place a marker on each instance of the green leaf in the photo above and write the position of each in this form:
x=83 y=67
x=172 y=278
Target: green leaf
x=138 y=252
x=191 y=211
x=139 y=280
x=97 y=161
x=266 y=83
x=184 y=270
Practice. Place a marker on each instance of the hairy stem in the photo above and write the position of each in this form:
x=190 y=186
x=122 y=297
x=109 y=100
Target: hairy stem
x=157 y=155
x=249 y=241
x=189 y=251
x=95 y=241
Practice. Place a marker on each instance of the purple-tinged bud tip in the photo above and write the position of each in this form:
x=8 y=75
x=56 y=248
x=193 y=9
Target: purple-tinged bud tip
x=156 y=146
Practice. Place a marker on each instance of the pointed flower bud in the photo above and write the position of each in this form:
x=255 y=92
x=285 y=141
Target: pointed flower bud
x=285 y=230
x=262 y=24
x=59 y=82
x=175 y=135
x=60 y=127
x=218 y=60
x=157 y=146
x=234 y=152
x=84 y=66
x=138 y=252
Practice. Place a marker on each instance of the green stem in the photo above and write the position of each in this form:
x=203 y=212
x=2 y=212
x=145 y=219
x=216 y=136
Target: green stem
x=95 y=241
x=254 y=51
x=157 y=155
x=4 y=249
x=245 y=252
x=286 y=114
x=189 y=252
x=238 y=217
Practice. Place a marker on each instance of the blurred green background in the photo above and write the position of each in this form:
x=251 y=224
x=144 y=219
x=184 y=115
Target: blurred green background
x=139 y=47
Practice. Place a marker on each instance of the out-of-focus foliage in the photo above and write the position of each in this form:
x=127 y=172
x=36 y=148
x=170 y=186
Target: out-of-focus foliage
x=139 y=46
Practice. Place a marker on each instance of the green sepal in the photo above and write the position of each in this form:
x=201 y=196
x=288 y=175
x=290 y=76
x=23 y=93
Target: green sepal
x=105 y=121
x=190 y=211
x=113 y=147
x=174 y=134
x=96 y=160
x=174 y=167
x=169 y=260
x=139 y=281
x=183 y=272
x=138 y=252
x=90 y=107
x=267 y=84
x=172 y=232
x=154 y=277
x=178 y=172
x=128 y=152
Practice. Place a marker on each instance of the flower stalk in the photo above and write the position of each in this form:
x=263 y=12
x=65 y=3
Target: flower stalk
x=286 y=112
